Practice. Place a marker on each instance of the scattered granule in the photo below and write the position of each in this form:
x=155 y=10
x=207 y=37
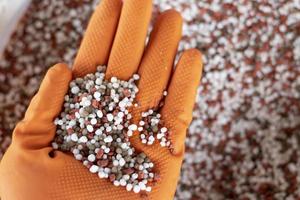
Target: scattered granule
x=95 y=125
x=151 y=127
x=4 y=142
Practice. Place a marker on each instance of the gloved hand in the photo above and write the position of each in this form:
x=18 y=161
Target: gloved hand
x=32 y=170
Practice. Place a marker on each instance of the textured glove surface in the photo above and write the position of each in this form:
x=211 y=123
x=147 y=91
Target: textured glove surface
x=31 y=170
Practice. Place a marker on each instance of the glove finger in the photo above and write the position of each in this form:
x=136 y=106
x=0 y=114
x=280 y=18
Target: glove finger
x=155 y=71
x=157 y=64
x=178 y=107
x=96 y=44
x=37 y=129
x=130 y=38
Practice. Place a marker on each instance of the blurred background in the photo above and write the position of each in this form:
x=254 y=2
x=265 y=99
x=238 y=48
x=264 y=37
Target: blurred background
x=244 y=141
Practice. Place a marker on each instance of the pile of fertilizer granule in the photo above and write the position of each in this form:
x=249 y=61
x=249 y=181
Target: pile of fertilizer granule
x=243 y=142
x=95 y=125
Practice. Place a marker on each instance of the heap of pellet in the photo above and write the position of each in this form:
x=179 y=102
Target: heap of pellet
x=242 y=143
x=95 y=125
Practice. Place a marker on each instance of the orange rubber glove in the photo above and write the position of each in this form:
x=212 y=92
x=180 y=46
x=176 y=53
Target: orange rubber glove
x=32 y=170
